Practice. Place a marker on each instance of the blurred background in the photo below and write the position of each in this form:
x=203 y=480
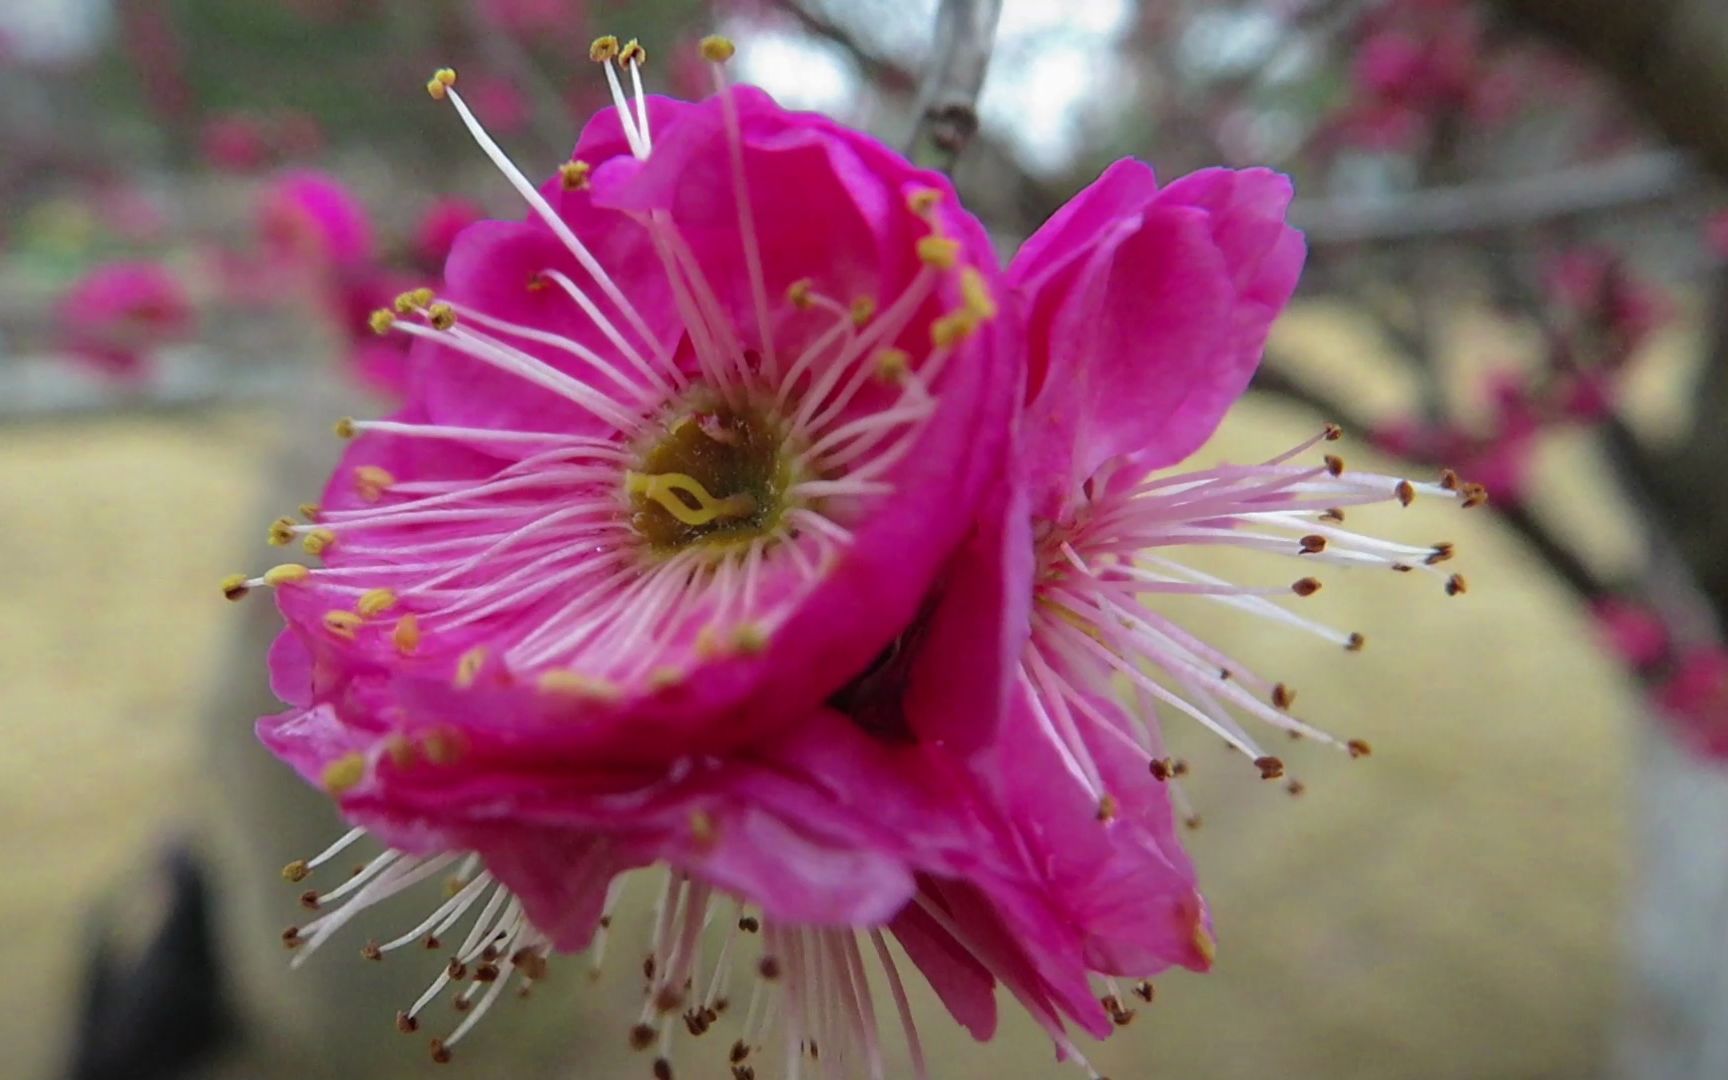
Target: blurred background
x=1519 y=269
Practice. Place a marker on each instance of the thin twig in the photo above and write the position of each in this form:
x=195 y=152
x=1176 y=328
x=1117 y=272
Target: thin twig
x=947 y=112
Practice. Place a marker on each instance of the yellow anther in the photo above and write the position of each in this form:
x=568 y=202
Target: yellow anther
x=286 y=574
x=376 y=602
x=708 y=643
x=603 y=49
x=234 y=586
x=923 y=200
x=441 y=315
x=676 y=492
x=717 y=49
x=406 y=635
x=441 y=80
x=941 y=252
x=381 y=321
x=404 y=304
x=665 y=678
x=749 y=639
x=282 y=531
x=862 y=308
x=976 y=293
x=318 y=541
x=441 y=746
x=343 y=624
x=399 y=750
x=309 y=511
x=468 y=667
x=574 y=175
x=577 y=685
x=798 y=294
x=633 y=53
x=422 y=297
x=296 y=871
x=893 y=364
x=953 y=328
x=344 y=428
x=344 y=774
x=371 y=481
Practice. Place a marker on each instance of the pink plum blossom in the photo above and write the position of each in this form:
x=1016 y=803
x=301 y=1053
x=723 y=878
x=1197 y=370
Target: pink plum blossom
x=116 y=314
x=743 y=518
x=310 y=219
x=438 y=226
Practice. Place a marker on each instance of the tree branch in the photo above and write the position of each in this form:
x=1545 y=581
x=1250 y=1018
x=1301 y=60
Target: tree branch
x=947 y=111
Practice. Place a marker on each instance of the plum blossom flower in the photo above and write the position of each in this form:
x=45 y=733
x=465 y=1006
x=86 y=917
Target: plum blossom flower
x=705 y=539
x=311 y=219
x=683 y=453
x=116 y=314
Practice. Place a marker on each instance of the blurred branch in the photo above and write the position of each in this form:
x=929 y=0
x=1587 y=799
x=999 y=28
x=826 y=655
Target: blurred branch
x=884 y=72
x=1489 y=206
x=947 y=111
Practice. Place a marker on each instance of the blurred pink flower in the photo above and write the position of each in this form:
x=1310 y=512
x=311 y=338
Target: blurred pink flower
x=310 y=219
x=234 y=142
x=524 y=17
x=1716 y=234
x=1632 y=631
x=116 y=314
x=439 y=224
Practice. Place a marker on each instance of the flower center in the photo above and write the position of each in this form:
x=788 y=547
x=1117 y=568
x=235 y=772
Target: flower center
x=715 y=475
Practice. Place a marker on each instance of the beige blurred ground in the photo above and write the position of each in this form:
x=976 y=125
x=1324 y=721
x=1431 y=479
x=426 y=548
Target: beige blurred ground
x=1445 y=909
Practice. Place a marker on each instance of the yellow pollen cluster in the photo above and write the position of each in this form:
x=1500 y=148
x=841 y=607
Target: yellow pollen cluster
x=344 y=774
x=798 y=294
x=941 y=252
x=632 y=53
x=574 y=175
x=343 y=624
x=376 y=602
x=441 y=315
x=717 y=49
x=406 y=634
x=468 y=667
x=892 y=365
x=381 y=321
x=318 y=541
x=234 y=586
x=442 y=80
x=286 y=574
x=371 y=481
x=603 y=49
x=576 y=685
x=862 y=308
x=282 y=532
x=922 y=201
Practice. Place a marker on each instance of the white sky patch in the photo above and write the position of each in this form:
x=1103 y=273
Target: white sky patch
x=1055 y=67
x=54 y=30
x=801 y=72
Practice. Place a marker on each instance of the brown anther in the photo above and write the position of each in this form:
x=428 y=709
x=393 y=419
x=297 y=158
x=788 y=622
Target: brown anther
x=531 y=964
x=648 y=967
x=371 y=951
x=1358 y=748
x=440 y=1052
x=573 y=175
x=1282 y=696
x=696 y=1022
x=740 y=1051
x=1193 y=821
x=1355 y=642
x=1402 y=568
x=768 y=968
x=1179 y=767
x=604 y=48
x=1226 y=674
x=1334 y=464
x=1406 y=492
x=234 y=587
x=1333 y=514
x=1295 y=787
x=487 y=973
x=291 y=938
x=1145 y=991
x=1120 y=1014
x=296 y=871
x=605 y=922
x=456 y=969
x=1441 y=553
x=309 y=511
x=923 y=200
x=717 y=49
x=1270 y=767
x=441 y=315
x=668 y=998
x=1474 y=495
x=750 y=924
x=1107 y=807
x=1449 y=480
x=1161 y=769
x=633 y=53
x=406 y=1024
x=662 y=1069
x=462 y=1003
x=641 y=1037
x=1313 y=544
x=1456 y=585
x=1332 y=432
x=309 y=899
x=432 y=943
x=1305 y=586
x=743 y=1072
